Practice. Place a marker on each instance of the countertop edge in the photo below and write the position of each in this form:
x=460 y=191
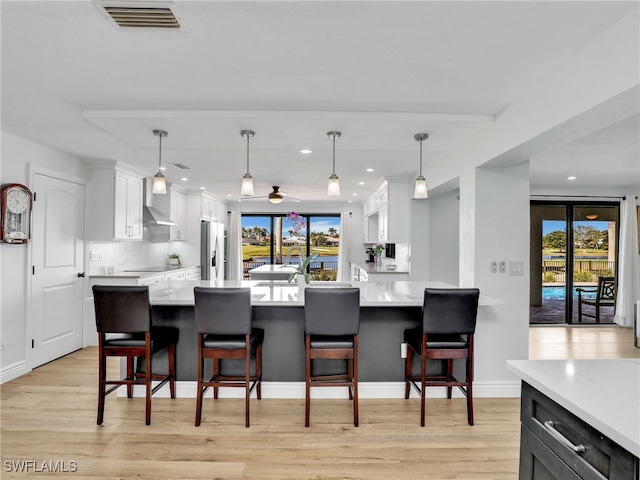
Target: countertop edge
x=595 y=419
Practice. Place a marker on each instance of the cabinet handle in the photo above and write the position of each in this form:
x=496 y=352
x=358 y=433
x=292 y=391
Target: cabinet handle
x=562 y=439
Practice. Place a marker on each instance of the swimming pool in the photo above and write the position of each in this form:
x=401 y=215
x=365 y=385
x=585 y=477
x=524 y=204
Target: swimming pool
x=558 y=293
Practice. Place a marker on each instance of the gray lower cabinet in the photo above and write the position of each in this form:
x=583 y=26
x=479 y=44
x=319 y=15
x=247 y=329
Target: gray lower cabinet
x=556 y=444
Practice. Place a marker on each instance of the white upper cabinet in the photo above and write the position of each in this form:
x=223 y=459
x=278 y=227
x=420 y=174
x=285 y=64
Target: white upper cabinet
x=208 y=208
x=178 y=213
x=386 y=213
x=117 y=204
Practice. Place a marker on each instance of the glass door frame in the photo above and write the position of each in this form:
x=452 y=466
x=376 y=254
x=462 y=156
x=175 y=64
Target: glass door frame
x=569 y=206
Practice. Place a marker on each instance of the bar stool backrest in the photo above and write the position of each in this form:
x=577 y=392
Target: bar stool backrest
x=223 y=311
x=450 y=310
x=122 y=309
x=332 y=311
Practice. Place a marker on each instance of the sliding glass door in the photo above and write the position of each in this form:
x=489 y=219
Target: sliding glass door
x=573 y=245
x=274 y=239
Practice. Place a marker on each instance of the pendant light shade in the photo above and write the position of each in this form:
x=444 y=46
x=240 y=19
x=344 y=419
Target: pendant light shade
x=159 y=182
x=247 y=180
x=420 y=190
x=333 y=188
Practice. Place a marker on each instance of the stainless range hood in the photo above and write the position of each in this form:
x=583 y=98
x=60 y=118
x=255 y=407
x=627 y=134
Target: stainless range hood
x=151 y=216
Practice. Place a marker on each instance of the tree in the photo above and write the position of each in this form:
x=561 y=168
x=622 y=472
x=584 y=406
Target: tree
x=332 y=232
x=556 y=240
x=586 y=236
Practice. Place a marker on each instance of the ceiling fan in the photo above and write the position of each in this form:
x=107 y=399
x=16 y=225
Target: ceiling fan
x=276 y=196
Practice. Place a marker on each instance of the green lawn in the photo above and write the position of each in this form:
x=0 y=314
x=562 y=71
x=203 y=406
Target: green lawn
x=252 y=251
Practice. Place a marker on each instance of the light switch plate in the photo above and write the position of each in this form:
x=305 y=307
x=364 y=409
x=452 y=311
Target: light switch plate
x=403 y=350
x=516 y=268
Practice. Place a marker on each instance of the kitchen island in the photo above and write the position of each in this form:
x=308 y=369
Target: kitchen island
x=387 y=309
x=580 y=418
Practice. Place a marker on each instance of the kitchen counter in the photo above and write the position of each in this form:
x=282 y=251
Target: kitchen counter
x=142 y=272
x=603 y=393
x=282 y=293
x=371 y=268
x=272 y=272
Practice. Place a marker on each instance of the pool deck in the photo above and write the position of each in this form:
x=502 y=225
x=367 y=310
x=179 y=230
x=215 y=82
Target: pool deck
x=553 y=312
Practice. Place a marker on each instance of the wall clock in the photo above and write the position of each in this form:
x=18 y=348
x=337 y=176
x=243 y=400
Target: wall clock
x=17 y=202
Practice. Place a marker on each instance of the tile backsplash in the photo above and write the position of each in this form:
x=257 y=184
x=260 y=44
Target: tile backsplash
x=129 y=255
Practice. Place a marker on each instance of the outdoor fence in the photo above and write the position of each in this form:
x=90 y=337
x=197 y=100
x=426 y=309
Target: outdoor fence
x=583 y=270
x=319 y=269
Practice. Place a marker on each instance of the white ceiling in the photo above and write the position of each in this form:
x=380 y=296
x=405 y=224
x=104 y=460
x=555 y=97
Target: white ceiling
x=379 y=72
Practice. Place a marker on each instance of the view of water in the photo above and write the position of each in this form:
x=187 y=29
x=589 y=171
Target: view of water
x=294 y=259
x=558 y=293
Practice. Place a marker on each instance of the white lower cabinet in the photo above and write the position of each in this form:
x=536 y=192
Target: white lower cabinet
x=193 y=273
x=177 y=275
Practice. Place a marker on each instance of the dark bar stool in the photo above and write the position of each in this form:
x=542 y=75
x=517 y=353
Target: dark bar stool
x=331 y=323
x=223 y=323
x=448 y=326
x=123 y=321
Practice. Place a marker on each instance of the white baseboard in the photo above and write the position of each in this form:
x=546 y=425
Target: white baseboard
x=13 y=371
x=187 y=389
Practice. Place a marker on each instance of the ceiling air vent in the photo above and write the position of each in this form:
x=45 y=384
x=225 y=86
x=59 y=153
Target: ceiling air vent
x=126 y=15
x=181 y=166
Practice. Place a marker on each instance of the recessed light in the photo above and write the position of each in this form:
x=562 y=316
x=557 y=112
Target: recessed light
x=355 y=194
x=571 y=178
x=228 y=194
x=162 y=168
x=349 y=201
x=184 y=179
x=369 y=169
x=203 y=188
x=305 y=151
x=360 y=183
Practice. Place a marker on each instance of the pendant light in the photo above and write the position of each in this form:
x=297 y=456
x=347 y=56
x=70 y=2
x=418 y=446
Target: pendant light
x=159 y=182
x=420 y=190
x=333 y=189
x=247 y=179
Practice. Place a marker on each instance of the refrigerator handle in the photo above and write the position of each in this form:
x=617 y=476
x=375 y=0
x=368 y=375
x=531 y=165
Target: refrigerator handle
x=213 y=259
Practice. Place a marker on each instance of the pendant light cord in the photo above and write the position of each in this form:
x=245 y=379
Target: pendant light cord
x=334 y=154
x=247 y=153
x=160 y=154
x=421 y=157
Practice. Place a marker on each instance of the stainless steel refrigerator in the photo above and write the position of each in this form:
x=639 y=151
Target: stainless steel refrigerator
x=212 y=250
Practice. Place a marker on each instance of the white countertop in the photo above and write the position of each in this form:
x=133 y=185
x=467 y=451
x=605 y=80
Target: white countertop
x=603 y=393
x=274 y=268
x=281 y=293
x=131 y=273
x=370 y=268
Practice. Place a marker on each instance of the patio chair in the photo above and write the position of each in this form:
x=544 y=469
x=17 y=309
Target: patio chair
x=605 y=296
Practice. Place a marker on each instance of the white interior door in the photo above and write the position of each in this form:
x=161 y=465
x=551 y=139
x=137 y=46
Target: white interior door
x=58 y=259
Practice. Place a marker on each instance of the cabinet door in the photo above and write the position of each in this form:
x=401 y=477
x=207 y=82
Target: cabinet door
x=127 y=219
x=178 y=209
x=383 y=223
x=208 y=208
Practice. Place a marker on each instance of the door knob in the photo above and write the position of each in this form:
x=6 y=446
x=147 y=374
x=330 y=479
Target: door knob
x=80 y=274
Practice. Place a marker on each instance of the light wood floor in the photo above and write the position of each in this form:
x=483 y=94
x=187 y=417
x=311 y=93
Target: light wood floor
x=48 y=415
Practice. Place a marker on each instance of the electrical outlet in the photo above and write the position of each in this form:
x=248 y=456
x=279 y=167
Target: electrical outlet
x=494 y=267
x=403 y=350
x=96 y=256
x=503 y=266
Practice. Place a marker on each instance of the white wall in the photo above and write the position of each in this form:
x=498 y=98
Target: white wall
x=444 y=234
x=17 y=154
x=501 y=234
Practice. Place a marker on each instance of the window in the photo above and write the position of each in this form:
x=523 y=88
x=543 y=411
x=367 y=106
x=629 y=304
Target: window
x=276 y=239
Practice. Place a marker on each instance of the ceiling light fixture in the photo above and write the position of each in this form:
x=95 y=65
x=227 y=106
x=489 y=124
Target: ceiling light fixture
x=571 y=178
x=275 y=197
x=306 y=151
x=333 y=189
x=159 y=182
x=247 y=179
x=592 y=216
x=420 y=190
